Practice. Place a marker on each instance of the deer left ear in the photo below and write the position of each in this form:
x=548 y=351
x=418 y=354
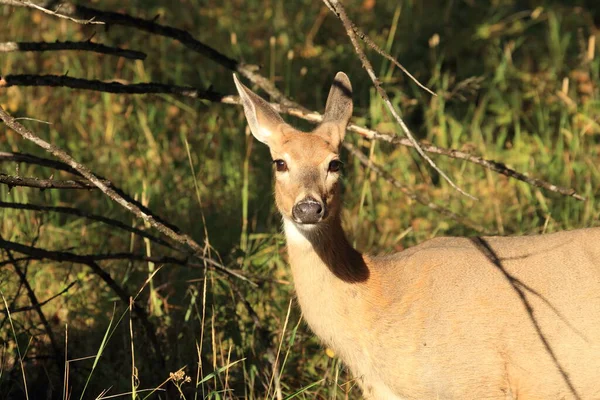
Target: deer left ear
x=338 y=109
x=265 y=123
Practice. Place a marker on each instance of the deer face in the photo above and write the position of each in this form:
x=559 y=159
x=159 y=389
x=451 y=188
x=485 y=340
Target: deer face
x=307 y=165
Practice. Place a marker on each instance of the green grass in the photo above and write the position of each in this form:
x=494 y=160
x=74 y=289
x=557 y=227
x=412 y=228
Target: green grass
x=498 y=71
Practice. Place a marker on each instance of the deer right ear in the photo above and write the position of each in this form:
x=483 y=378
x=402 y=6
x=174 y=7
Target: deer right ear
x=265 y=123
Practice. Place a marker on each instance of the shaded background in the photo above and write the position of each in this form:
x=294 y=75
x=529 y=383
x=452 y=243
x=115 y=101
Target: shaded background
x=517 y=82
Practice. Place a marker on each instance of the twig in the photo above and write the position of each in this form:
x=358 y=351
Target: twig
x=110 y=87
x=31 y=159
x=363 y=36
x=69 y=45
x=364 y=160
x=86 y=173
x=40 y=254
x=34 y=301
x=26 y=3
x=13 y=181
x=182 y=36
x=299 y=112
x=338 y=9
x=84 y=214
x=40 y=304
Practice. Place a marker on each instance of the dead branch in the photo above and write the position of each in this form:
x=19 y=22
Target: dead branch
x=180 y=35
x=40 y=304
x=183 y=239
x=13 y=181
x=34 y=301
x=110 y=87
x=365 y=38
x=45 y=162
x=27 y=3
x=68 y=45
x=285 y=105
x=364 y=160
x=31 y=159
x=84 y=214
x=339 y=10
x=296 y=111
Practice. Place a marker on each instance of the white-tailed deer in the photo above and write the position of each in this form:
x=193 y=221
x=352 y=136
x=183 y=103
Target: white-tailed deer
x=452 y=318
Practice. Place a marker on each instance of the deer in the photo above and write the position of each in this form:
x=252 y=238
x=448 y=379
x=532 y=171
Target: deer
x=450 y=318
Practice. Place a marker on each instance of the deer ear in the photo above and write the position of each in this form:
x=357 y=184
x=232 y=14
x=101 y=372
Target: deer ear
x=265 y=123
x=338 y=109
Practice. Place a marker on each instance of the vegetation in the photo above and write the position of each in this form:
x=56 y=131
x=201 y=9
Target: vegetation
x=514 y=84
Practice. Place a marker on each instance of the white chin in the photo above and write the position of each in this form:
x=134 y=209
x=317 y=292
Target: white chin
x=297 y=232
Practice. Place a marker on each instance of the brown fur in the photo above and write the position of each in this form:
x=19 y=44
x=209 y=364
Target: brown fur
x=452 y=318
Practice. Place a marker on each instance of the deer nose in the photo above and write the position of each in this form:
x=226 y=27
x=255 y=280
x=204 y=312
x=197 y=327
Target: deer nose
x=308 y=211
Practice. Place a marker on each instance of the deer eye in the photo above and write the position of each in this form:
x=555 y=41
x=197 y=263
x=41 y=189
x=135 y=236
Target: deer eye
x=335 y=166
x=280 y=165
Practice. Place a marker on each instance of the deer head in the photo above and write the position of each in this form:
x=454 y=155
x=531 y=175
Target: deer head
x=307 y=164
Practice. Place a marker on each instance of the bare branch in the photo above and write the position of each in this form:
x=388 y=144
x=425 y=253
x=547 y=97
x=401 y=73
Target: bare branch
x=363 y=36
x=81 y=213
x=86 y=173
x=40 y=304
x=13 y=181
x=364 y=160
x=31 y=159
x=27 y=3
x=110 y=87
x=182 y=36
x=68 y=45
x=34 y=301
x=86 y=259
x=299 y=112
x=338 y=9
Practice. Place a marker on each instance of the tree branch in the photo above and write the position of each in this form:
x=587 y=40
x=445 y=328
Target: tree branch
x=338 y=9
x=13 y=181
x=364 y=160
x=110 y=87
x=34 y=301
x=68 y=45
x=183 y=239
x=80 y=213
x=40 y=304
x=27 y=3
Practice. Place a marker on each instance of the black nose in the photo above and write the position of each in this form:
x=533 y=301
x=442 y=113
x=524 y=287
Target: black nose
x=308 y=211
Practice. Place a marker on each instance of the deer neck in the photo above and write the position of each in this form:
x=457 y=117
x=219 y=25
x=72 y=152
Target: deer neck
x=324 y=250
x=328 y=275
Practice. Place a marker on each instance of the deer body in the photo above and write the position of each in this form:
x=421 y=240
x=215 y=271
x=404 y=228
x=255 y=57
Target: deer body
x=452 y=318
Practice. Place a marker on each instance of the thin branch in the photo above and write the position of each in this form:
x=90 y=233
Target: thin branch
x=69 y=45
x=31 y=159
x=62 y=256
x=364 y=160
x=180 y=35
x=27 y=3
x=34 y=301
x=40 y=304
x=110 y=87
x=80 y=213
x=183 y=239
x=363 y=36
x=13 y=181
x=338 y=9
x=296 y=111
